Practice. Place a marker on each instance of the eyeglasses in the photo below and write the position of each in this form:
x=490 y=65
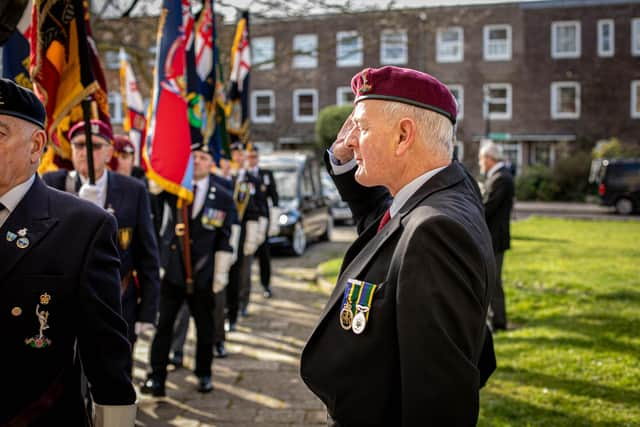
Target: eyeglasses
x=97 y=146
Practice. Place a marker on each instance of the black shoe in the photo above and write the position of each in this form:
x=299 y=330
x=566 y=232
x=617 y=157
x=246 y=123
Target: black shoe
x=205 y=385
x=176 y=360
x=221 y=352
x=153 y=387
x=268 y=293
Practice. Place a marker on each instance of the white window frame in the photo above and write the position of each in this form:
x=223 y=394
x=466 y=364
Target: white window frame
x=339 y=92
x=560 y=55
x=402 y=41
x=508 y=100
x=254 y=106
x=635 y=88
x=305 y=60
x=612 y=35
x=112 y=60
x=507 y=146
x=503 y=57
x=115 y=99
x=440 y=56
x=555 y=90
x=354 y=59
x=459 y=99
x=635 y=37
x=267 y=45
x=305 y=119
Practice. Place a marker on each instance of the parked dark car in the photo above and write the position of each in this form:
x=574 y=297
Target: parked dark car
x=339 y=208
x=302 y=214
x=618 y=183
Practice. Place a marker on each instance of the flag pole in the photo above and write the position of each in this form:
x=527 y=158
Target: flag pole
x=182 y=231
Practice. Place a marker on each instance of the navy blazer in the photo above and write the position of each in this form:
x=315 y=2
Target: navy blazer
x=68 y=273
x=206 y=233
x=128 y=200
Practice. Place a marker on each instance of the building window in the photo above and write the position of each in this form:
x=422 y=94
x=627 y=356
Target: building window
x=449 y=45
x=112 y=60
x=565 y=39
x=458 y=93
x=565 y=100
x=541 y=153
x=497 y=101
x=348 y=49
x=635 y=99
x=263 y=105
x=115 y=107
x=606 y=39
x=305 y=51
x=512 y=153
x=497 y=43
x=263 y=53
x=344 y=95
x=635 y=36
x=393 y=47
x=305 y=105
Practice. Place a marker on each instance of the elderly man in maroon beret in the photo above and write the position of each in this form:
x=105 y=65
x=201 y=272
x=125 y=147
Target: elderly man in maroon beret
x=401 y=338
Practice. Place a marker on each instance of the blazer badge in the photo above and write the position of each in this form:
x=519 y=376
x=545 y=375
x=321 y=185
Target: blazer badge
x=124 y=237
x=40 y=340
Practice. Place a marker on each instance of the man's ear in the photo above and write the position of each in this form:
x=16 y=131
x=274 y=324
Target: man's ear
x=38 y=142
x=406 y=135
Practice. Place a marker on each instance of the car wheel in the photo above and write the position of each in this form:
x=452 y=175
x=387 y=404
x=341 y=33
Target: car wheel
x=624 y=206
x=298 y=240
x=326 y=236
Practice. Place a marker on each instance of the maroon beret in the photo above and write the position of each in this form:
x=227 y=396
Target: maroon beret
x=407 y=86
x=122 y=144
x=98 y=127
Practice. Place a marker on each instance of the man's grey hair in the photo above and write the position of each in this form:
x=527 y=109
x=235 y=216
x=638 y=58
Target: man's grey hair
x=433 y=129
x=491 y=149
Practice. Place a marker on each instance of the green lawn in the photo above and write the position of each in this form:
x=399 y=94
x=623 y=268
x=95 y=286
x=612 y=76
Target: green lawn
x=573 y=287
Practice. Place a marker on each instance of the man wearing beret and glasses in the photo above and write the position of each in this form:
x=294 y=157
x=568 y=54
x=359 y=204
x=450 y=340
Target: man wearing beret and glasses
x=59 y=289
x=402 y=335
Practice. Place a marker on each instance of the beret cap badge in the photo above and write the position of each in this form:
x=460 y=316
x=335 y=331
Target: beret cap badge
x=365 y=87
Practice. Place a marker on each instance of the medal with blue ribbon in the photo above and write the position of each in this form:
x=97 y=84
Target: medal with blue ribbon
x=363 y=307
x=348 y=310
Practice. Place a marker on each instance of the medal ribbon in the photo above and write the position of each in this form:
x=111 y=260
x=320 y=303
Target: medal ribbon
x=365 y=296
x=353 y=288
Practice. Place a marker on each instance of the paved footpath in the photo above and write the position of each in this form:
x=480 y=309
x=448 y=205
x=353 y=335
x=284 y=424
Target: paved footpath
x=259 y=383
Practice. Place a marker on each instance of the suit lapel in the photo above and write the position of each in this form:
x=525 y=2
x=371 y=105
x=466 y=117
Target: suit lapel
x=114 y=193
x=32 y=214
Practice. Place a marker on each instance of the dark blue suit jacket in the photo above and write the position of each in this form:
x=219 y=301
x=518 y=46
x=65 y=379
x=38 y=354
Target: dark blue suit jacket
x=70 y=269
x=207 y=237
x=128 y=200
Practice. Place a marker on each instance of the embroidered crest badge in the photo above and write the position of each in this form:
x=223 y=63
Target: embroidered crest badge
x=124 y=237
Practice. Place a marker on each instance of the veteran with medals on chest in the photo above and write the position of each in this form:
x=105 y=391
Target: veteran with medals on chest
x=59 y=289
x=400 y=340
x=127 y=199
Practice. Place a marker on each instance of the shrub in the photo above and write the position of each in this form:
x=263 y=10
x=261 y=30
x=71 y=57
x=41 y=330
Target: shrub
x=571 y=175
x=329 y=122
x=534 y=184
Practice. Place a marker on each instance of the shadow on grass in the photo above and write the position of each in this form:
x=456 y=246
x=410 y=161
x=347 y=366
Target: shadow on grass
x=499 y=410
x=539 y=239
x=621 y=296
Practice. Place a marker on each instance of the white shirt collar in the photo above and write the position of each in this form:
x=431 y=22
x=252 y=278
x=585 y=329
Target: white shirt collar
x=408 y=190
x=495 y=168
x=100 y=182
x=12 y=197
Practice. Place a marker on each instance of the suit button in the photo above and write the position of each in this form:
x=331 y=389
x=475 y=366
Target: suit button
x=16 y=311
x=173 y=247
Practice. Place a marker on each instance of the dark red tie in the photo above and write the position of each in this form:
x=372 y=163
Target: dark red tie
x=385 y=219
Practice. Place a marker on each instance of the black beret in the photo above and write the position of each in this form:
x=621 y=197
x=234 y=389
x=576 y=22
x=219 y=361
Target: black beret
x=201 y=146
x=20 y=102
x=236 y=146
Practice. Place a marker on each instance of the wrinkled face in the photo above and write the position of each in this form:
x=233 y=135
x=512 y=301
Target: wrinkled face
x=102 y=151
x=202 y=163
x=372 y=142
x=485 y=163
x=125 y=163
x=252 y=159
x=21 y=144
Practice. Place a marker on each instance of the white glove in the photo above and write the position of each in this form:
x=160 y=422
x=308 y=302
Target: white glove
x=222 y=263
x=251 y=238
x=263 y=223
x=234 y=240
x=142 y=327
x=114 y=416
x=91 y=193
